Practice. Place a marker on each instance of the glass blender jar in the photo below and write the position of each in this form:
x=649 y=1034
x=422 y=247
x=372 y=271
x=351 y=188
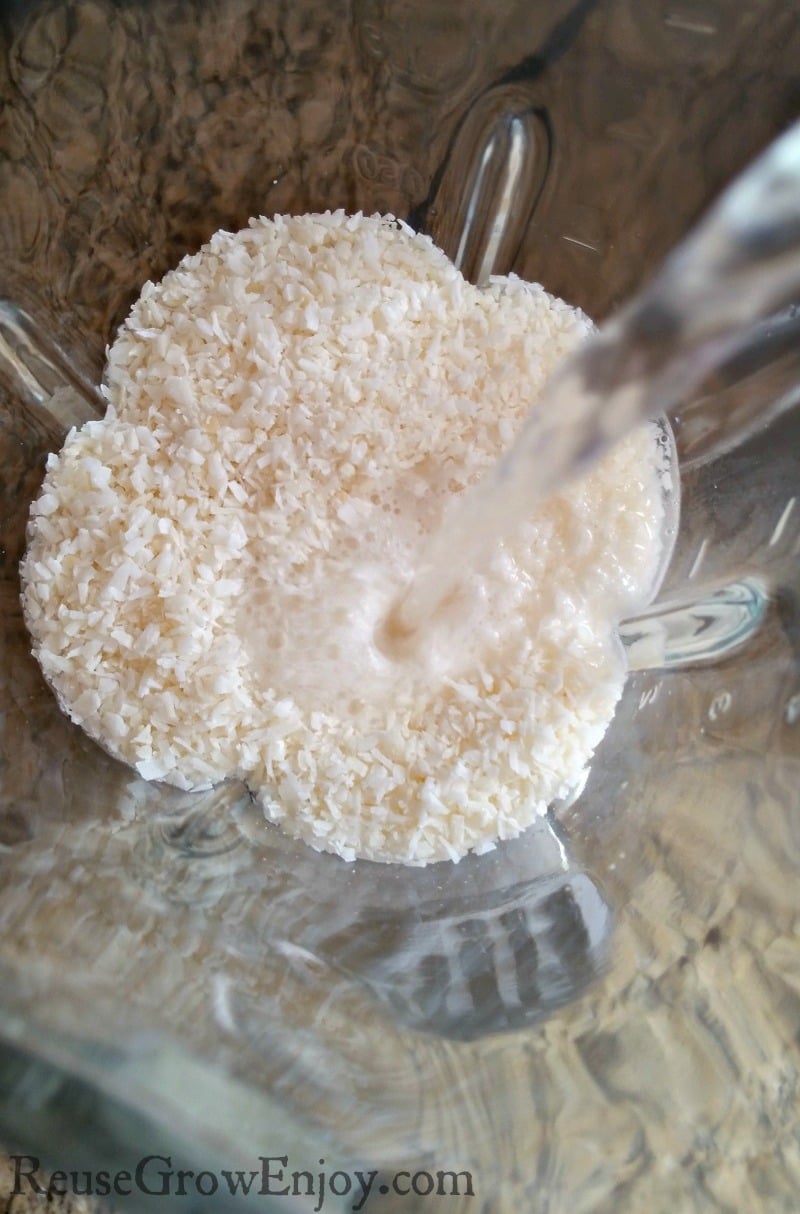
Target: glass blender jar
x=603 y=1013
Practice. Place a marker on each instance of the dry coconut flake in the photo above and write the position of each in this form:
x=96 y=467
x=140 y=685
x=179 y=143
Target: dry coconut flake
x=290 y=411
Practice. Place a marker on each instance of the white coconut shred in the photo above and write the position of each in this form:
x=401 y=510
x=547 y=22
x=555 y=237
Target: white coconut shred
x=289 y=413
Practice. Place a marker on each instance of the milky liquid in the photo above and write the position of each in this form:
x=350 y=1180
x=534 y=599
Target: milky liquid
x=597 y=551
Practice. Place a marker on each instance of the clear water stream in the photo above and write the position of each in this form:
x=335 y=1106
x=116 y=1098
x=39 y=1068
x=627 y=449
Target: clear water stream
x=732 y=277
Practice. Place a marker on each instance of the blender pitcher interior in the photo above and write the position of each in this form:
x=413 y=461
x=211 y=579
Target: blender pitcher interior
x=605 y=1009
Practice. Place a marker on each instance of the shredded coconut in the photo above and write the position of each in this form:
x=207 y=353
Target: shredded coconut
x=289 y=413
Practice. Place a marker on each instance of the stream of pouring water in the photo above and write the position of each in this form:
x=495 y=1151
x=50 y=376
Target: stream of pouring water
x=740 y=264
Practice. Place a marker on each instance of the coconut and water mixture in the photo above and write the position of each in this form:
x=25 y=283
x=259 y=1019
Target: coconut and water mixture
x=290 y=412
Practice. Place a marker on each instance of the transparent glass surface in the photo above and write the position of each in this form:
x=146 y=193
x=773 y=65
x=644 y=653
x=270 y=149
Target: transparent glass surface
x=601 y=1015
